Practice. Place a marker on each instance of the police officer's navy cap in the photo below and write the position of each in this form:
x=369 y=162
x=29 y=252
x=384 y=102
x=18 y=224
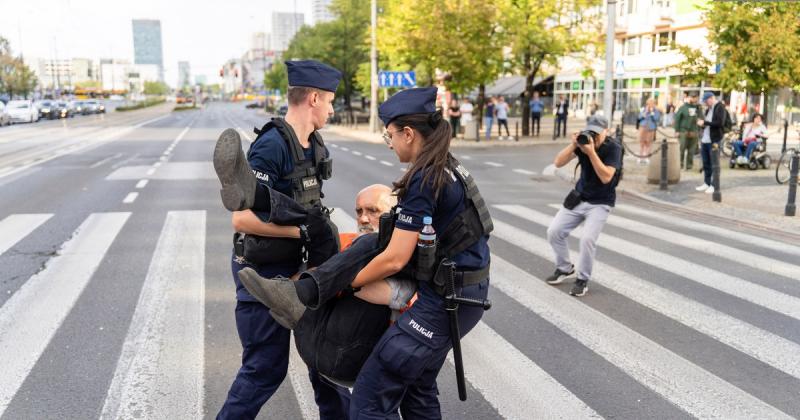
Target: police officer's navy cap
x=310 y=73
x=408 y=102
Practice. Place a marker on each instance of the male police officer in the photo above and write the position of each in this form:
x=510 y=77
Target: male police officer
x=589 y=203
x=289 y=157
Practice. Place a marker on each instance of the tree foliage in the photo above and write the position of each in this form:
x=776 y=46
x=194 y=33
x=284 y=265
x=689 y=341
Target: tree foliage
x=156 y=88
x=16 y=78
x=276 y=77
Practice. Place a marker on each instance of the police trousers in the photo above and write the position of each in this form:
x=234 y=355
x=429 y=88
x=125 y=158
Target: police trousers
x=265 y=361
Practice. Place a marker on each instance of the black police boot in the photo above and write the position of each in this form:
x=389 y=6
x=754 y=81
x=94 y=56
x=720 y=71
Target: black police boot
x=278 y=294
x=238 y=182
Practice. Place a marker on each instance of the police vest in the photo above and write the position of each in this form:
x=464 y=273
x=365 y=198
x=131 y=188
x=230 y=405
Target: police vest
x=469 y=226
x=307 y=176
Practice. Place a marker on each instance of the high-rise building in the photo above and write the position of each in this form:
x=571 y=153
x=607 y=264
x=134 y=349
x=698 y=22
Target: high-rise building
x=320 y=11
x=184 y=74
x=147 y=43
x=284 y=26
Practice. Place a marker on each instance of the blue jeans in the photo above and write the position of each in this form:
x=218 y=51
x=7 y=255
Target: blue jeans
x=739 y=145
x=487 y=122
x=705 y=153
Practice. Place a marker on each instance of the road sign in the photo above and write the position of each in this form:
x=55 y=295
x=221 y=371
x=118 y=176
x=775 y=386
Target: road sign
x=394 y=79
x=619 y=69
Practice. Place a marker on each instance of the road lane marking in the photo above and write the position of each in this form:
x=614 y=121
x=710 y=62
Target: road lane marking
x=505 y=377
x=714 y=230
x=356 y=152
x=298 y=375
x=507 y=385
x=344 y=149
x=383 y=162
x=334 y=145
x=130 y=198
x=524 y=172
x=688 y=386
x=495 y=164
x=465 y=157
x=17 y=226
x=103 y=161
x=31 y=316
x=141 y=183
x=157 y=164
x=151 y=171
x=740 y=335
x=369 y=157
x=160 y=369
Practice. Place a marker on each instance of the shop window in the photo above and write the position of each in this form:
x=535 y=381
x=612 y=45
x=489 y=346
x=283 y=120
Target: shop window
x=647 y=83
x=634 y=83
x=663 y=41
x=632 y=46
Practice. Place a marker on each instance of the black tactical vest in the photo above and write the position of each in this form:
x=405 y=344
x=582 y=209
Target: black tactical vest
x=308 y=175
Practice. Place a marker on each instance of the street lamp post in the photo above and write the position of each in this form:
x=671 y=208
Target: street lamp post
x=609 y=76
x=373 y=69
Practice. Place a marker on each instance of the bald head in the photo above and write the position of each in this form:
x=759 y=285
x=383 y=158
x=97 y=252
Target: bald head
x=371 y=202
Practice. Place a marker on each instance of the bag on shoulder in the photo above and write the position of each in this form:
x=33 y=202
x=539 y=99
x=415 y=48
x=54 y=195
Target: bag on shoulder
x=572 y=200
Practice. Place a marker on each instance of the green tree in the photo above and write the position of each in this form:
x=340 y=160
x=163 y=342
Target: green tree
x=16 y=78
x=276 y=77
x=540 y=32
x=156 y=88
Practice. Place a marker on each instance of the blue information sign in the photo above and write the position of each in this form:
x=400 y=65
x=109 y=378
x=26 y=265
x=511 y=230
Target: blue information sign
x=395 y=79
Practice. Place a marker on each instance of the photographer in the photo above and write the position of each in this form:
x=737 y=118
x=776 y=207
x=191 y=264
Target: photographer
x=600 y=160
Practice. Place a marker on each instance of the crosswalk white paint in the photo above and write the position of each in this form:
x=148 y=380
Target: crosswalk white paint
x=301 y=384
x=524 y=172
x=385 y=163
x=711 y=229
x=130 y=198
x=753 y=341
x=30 y=318
x=17 y=226
x=343 y=221
x=735 y=286
x=685 y=384
x=495 y=164
x=160 y=368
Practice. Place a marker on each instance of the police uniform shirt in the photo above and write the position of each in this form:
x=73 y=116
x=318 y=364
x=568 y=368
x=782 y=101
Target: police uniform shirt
x=419 y=202
x=589 y=185
x=271 y=161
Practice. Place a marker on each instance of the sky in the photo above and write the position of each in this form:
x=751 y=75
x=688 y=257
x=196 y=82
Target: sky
x=205 y=33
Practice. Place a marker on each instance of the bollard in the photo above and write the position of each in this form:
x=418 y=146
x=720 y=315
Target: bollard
x=618 y=132
x=785 y=135
x=516 y=131
x=663 y=184
x=793 y=169
x=717 y=195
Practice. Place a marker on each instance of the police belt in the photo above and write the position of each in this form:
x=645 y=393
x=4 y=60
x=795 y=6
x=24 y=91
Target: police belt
x=460 y=278
x=471 y=278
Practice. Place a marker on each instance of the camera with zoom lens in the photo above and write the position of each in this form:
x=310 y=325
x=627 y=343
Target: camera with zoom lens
x=585 y=135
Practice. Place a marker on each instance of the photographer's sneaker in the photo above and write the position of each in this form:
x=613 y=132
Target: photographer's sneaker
x=580 y=288
x=559 y=276
x=702 y=187
x=710 y=189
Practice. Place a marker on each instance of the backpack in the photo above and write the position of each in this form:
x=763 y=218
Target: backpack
x=727 y=123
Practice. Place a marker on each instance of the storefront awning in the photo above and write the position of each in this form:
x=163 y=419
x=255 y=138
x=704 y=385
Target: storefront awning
x=512 y=85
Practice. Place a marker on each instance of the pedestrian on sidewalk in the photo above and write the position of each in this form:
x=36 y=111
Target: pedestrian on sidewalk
x=712 y=134
x=752 y=134
x=454 y=113
x=501 y=110
x=649 y=118
x=488 y=117
x=686 y=126
x=537 y=108
x=466 y=109
x=561 y=108
x=669 y=114
x=590 y=203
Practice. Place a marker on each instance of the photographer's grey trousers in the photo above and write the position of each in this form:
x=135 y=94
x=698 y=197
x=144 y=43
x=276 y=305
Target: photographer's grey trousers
x=594 y=217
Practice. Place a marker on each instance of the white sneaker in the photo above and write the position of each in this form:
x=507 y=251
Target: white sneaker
x=702 y=187
x=710 y=189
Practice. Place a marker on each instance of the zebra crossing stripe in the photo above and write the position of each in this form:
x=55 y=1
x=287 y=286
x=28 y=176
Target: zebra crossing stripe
x=734 y=286
x=160 y=369
x=749 y=339
x=716 y=249
x=713 y=230
x=30 y=318
x=343 y=221
x=301 y=384
x=17 y=226
x=514 y=384
x=685 y=384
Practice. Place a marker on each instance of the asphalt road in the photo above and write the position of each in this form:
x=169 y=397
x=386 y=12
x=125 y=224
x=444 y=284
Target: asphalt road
x=116 y=297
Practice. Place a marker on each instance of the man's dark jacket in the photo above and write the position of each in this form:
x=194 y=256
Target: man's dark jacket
x=717 y=121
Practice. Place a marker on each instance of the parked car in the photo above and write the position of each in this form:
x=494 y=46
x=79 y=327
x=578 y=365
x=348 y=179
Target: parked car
x=65 y=110
x=48 y=109
x=5 y=118
x=77 y=106
x=23 y=110
x=93 y=106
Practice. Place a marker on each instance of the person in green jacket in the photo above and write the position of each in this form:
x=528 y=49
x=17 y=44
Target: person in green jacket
x=686 y=126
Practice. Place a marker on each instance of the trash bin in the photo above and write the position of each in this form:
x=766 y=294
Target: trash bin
x=471 y=130
x=673 y=163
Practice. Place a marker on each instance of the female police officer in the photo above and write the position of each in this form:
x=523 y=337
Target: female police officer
x=402 y=369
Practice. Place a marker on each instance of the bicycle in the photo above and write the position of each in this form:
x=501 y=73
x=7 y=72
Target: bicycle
x=783 y=171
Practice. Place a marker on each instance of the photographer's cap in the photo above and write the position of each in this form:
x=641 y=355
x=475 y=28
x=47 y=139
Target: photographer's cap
x=596 y=123
x=407 y=102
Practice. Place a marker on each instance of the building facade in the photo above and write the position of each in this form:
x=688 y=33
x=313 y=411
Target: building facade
x=320 y=11
x=284 y=26
x=184 y=74
x=147 y=48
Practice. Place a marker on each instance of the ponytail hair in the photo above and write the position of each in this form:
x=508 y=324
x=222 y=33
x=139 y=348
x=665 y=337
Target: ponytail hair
x=435 y=152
